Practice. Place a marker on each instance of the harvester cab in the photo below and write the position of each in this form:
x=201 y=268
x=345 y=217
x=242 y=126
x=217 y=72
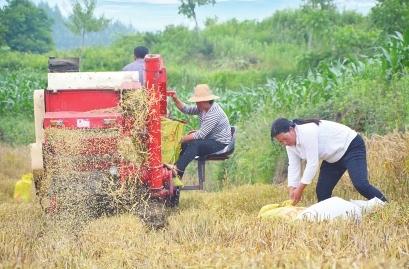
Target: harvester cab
x=92 y=125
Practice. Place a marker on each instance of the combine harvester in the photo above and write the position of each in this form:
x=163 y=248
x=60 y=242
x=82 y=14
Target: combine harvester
x=84 y=113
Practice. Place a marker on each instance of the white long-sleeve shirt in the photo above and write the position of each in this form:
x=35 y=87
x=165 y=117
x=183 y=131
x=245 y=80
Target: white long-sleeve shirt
x=327 y=141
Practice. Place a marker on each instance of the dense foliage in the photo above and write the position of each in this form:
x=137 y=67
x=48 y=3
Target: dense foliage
x=391 y=15
x=25 y=28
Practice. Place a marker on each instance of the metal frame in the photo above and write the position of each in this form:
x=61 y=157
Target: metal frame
x=218 y=156
x=201 y=172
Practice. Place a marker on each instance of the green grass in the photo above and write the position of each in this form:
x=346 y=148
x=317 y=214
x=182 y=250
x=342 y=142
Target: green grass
x=17 y=129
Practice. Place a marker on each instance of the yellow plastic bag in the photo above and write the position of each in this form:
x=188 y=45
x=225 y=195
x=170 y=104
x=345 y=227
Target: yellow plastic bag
x=172 y=133
x=23 y=188
x=283 y=210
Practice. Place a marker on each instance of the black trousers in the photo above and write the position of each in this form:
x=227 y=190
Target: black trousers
x=354 y=160
x=193 y=148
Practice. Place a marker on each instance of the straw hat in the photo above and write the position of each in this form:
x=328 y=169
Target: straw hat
x=202 y=93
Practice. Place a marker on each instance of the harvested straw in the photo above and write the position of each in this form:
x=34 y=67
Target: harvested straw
x=135 y=107
x=388 y=163
x=82 y=188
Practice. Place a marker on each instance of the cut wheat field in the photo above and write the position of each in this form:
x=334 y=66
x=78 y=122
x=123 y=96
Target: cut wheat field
x=216 y=229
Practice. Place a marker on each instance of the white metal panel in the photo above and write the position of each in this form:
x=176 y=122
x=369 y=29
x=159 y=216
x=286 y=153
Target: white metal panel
x=39 y=112
x=36 y=153
x=92 y=80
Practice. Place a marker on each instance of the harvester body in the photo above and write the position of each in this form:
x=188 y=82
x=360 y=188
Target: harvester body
x=89 y=101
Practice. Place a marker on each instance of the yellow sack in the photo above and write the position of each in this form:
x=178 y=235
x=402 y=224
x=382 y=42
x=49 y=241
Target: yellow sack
x=172 y=133
x=283 y=210
x=23 y=188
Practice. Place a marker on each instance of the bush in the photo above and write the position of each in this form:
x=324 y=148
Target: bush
x=16 y=61
x=255 y=156
x=366 y=106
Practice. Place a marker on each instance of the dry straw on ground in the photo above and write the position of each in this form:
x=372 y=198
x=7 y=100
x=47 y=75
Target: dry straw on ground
x=221 y=230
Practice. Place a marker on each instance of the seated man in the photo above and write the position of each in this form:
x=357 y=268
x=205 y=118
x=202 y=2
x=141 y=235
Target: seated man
x=213 y=135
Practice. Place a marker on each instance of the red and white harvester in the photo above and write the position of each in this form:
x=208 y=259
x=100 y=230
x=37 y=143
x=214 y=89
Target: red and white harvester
x=82 y=101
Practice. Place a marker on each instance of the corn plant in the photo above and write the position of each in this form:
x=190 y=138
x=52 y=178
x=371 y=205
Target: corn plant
x=316 y=86
x=16 y=91
x=395 y=55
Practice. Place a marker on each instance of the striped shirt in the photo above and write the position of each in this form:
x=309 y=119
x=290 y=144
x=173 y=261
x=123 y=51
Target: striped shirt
x=214 y=123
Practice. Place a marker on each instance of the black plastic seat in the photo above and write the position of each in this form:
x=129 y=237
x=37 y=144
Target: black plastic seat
x=221 y=155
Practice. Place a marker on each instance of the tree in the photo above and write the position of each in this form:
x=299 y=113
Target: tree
x=82 y=19
x=65 y=39
x=188 y=8
x=316 y=18
x=319 y=4
x=24 y=27
x=391 y=15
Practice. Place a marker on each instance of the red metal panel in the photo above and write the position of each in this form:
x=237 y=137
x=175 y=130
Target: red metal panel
x=153 y=66
x=162 y=90
x=80 y=120
x=80 y=100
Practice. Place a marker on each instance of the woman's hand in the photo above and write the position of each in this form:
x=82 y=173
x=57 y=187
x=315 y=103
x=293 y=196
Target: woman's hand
x=171 y=93
x=187 y=138
x=179 y=104
x=290 y=192
x=296 y=194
